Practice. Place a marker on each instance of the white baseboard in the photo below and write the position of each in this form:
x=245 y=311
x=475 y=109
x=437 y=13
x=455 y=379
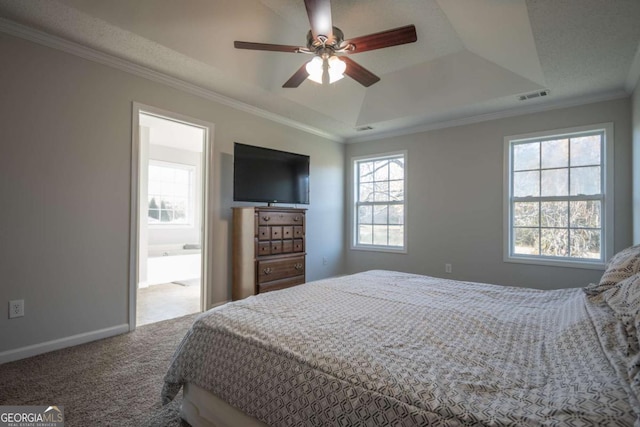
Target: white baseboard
x=45 y=347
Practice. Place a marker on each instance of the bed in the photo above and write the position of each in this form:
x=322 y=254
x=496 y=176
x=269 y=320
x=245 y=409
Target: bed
x=391 y=348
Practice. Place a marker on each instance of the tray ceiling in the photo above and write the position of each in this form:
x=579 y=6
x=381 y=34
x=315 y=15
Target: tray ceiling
x=472 y=58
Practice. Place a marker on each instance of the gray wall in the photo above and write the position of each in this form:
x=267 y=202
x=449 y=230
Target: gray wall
x=635 y=114
x=65 y=169
x=455 y=205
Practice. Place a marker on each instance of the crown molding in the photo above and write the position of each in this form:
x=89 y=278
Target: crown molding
x=55 y=42
x=574 y=102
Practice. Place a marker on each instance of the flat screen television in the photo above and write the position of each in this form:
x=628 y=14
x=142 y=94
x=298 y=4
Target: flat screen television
x=269 y=176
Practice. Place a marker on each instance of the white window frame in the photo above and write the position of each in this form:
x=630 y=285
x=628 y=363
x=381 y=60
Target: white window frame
x=354 y=205
x=607 y=223
x=192 y=194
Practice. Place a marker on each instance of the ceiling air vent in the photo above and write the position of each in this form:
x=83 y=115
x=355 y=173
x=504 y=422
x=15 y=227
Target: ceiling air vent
x=363 y=128
x=534 y=95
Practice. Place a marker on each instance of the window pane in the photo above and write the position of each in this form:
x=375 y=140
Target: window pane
x=165 y=216
x=381 y=170
x=365 y=235
x=154 y=173
x=380 y=214
x=182 y=176
x=554 y=242
x=555 y=154
x=166 y=174
x=380 y=235
x=154 y=214
x=585 y=244
x=366 y=193
x=396 y=169
x=526 y=156
x=525 y=241
x=366 y=171
x=555 y=182
x=381 y=191
x=585 y=213
x=526 y=214
x=526 y=184
x=154 y=187
x=554 y=214
x=585 y=180
x=396 y=235
x=365 y=215
x=396 y=191
x=396 y=214
x=585 y=150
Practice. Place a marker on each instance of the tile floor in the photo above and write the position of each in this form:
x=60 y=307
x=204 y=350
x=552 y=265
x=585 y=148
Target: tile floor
x=167 y=301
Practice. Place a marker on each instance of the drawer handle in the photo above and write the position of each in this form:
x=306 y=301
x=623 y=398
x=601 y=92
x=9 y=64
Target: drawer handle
x=266 y=218
x=297 y=218
x=267 y=270
x=298 y=266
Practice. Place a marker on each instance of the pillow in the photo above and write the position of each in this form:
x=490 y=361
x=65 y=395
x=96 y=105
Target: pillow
x=624 y=264
x=624 y=297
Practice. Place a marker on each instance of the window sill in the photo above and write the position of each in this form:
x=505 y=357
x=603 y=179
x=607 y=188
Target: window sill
x=379 y=249
x=589 y=265
x=170 y=226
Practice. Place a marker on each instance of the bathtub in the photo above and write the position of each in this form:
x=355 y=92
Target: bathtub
x=166 y=264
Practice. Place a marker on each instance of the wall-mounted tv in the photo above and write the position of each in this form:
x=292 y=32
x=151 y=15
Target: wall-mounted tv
x=269 y=176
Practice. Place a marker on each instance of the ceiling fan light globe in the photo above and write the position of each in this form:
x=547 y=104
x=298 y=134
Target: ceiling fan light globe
x=314 y=68
x=336 y=69
x=334 y=77
x=337 y=65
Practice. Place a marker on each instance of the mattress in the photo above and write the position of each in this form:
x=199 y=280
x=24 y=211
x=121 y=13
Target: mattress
x=389 y=348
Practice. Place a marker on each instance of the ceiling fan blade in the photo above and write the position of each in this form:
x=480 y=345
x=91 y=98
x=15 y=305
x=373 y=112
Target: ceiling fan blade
x=297 y=78
x=319 y=12
x=358 y=73
x=394 y=37
x=266 y=46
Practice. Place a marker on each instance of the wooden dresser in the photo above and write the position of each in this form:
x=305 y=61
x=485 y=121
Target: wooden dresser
x=268 y=249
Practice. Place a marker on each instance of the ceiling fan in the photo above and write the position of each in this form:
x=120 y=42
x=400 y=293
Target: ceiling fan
x=325 y=42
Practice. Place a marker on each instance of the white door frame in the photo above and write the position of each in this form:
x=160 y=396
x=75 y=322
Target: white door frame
x=207 y=200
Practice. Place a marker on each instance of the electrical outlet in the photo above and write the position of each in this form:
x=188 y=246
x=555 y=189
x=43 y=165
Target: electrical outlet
x=324 y=260
x=16 y=308
x=447 y=268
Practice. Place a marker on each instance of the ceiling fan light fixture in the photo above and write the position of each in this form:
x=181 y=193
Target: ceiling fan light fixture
x=337 y=68
x=315 y=69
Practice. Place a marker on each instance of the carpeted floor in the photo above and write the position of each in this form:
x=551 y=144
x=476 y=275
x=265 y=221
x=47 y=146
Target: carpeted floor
x=111 y=382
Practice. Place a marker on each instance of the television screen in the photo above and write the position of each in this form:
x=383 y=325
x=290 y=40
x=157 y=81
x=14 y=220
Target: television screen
x=271 y=176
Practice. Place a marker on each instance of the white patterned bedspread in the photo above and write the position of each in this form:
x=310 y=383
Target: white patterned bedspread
x=388 y=348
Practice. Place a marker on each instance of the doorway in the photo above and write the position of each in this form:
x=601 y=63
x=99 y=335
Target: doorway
x=170 y=229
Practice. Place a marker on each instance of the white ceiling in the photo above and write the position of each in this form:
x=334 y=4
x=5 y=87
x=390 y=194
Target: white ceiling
x=471 y=61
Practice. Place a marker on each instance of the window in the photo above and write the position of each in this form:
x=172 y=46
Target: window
x=559 y=197
x=171 y=194
x=379 y=208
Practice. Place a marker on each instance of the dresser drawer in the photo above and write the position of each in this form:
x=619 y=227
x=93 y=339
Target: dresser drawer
x=276 y=233
x=281 y=218
x=280 y=284
x=263 y=248
x=280 y=268
x=264 y=233
x=276 y=246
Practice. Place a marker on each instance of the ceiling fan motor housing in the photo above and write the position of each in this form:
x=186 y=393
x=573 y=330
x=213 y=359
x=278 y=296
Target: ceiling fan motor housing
x=334 y=41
